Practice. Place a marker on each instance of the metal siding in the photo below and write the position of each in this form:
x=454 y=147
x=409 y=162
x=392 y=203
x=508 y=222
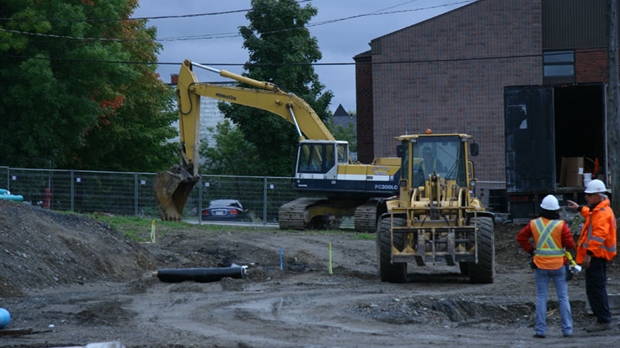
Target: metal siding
x=574 y=24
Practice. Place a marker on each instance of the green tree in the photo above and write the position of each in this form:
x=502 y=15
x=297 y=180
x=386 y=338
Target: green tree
x=348 y=133
x=282 y=52
x=231 y=153
x=66 y=102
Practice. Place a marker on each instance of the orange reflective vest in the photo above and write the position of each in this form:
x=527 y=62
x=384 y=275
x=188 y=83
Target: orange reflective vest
x=547 y=236
x=598 y=234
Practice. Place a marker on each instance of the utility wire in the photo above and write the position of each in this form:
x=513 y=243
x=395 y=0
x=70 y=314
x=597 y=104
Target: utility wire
x=374 y=13
x=412 y=61
x=130 y=19
x=389 y=12
x=67 y=37
x=236 y=34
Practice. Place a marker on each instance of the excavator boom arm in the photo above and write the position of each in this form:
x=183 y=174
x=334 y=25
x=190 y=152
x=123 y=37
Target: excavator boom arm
x=288 y=106
x=265 y=96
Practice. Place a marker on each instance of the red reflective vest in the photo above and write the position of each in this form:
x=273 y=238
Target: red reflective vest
x=598 y=234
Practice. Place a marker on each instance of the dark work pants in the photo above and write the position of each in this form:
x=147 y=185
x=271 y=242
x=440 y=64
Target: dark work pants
x=596 y=289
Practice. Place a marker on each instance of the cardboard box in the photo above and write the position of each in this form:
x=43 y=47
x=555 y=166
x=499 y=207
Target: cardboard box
x=571 y=174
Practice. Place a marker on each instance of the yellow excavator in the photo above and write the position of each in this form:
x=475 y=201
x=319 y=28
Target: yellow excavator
x=323 y=165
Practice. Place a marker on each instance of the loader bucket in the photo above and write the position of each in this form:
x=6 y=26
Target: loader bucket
x=171 y=189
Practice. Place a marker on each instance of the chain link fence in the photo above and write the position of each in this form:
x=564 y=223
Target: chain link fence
x=131 y=194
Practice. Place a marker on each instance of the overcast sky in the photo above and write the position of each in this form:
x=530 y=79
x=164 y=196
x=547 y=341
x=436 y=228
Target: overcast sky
x=343 y=28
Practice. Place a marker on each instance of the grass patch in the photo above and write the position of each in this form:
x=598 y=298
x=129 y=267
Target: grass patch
x=365 y=236
x=139 y=228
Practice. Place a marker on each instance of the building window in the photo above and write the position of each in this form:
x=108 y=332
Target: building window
x=559 y=64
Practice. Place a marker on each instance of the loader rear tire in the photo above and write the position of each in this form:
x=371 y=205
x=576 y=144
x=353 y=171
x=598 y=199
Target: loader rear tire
x=389 y=271
x=483 y=272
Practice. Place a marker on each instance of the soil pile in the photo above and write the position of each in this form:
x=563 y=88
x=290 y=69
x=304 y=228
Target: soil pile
x=43 y=249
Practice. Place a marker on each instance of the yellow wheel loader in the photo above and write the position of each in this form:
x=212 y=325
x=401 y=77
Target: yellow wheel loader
x=435 y=219
x=323 y=165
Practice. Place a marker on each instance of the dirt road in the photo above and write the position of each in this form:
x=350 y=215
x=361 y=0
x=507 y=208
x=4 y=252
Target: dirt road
x=75 y=281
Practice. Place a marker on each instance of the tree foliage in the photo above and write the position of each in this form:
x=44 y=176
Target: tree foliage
x=231 y=153
x=67 y=99
x=347 y=132
x=281 y=51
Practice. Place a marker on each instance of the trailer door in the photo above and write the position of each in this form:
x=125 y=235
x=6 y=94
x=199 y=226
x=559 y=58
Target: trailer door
x=530 y=150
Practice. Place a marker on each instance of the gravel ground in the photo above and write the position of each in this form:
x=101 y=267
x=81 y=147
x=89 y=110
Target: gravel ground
x=74 y=280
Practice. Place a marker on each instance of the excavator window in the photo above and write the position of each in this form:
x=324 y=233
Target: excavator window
x=343 y=153
x=330 y=160
x=316 y=157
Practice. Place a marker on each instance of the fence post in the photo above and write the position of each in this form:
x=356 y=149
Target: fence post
x=8 y=178
x=200 y=184
x=265 y=201
x=72 y=190
x=135 y=194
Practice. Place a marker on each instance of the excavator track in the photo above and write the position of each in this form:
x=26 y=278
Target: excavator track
x=292 y=214
x=366 y=217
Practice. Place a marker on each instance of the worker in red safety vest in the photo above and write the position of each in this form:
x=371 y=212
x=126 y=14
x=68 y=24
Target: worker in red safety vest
x=552 y=237
x=595 y=248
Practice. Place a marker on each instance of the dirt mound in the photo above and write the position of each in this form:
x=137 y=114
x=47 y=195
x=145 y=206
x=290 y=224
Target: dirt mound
x=42 y=248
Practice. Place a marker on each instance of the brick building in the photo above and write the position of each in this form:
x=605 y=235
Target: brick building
x=448 y=73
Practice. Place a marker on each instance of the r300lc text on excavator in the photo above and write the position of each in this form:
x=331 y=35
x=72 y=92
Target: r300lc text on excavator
x=436 y=219
x=323 y=165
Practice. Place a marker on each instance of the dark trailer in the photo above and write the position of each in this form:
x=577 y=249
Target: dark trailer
x=554 y=134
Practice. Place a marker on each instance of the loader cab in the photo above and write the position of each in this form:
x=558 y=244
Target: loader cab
x=443 y=155
x=321 y=156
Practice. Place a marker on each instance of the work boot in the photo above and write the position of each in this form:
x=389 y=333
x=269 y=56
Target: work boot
x=598 y=327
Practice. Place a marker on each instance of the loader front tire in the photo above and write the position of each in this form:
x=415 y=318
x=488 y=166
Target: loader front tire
x=389 y=271
x=483 y=272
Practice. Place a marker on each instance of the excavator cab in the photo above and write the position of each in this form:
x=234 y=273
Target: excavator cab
x=321 y=156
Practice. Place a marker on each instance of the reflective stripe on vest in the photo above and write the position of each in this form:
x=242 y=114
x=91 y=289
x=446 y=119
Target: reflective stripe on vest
x=546 y=247
x=597 y=239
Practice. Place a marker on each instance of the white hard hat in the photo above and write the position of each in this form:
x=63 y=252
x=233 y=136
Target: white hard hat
x=550 y=203
x=595 y=186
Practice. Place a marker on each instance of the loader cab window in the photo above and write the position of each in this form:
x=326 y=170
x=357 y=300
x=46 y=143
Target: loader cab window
x=316 y=157
x=441 y=155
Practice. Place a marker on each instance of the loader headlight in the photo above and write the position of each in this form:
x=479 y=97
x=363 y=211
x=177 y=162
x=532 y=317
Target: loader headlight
x=473 y=183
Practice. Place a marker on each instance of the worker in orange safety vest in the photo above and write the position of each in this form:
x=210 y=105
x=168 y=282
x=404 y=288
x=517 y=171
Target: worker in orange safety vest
x=596 y=247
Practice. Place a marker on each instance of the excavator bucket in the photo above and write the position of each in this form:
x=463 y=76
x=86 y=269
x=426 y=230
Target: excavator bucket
x=172 y=188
